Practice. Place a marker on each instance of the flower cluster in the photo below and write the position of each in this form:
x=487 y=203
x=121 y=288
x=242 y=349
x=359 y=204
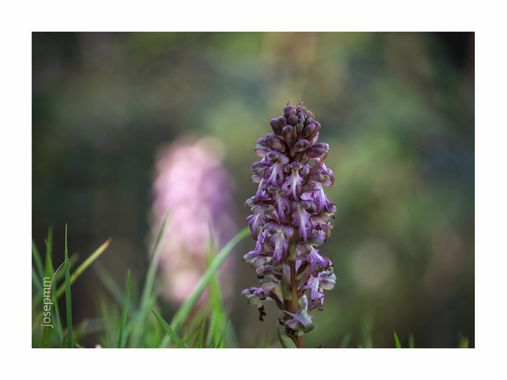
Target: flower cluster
x=193 y=186
x=290 y=220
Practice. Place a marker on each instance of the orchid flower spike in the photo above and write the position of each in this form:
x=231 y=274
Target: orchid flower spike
x=290 y=220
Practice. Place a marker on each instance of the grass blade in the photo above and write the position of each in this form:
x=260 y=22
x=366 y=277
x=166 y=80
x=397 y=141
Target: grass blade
x=367 y=329
x=55 y=278
x=217 y=319
x=221 y=340
x=345 y=340
x=48 y=272
x=411 y=342
x=148 y=297
x=80 y=269
x=152 y=270
x=109 y=282
x=59 y=325
x=68 y=298
x=58 y=275
x=185 y=309
x=54 y=273
x=170 y=332
x=36 y=281
x=396 y=340
x=122 y=337
x=37 y=260
x=202 y=332
x=464 y=343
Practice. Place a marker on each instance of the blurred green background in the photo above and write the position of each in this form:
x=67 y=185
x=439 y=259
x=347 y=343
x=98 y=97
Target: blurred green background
x=396 y=108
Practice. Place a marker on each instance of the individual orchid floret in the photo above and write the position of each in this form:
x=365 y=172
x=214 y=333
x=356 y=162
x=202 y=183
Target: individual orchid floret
x=290 y=220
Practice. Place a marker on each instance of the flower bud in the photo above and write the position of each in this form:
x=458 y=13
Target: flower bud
x=277 y=124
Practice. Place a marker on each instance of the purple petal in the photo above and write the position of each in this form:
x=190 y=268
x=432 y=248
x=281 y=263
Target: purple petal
x=302 y=220
x=277 y=124
x=280 y=246
x=316 y=261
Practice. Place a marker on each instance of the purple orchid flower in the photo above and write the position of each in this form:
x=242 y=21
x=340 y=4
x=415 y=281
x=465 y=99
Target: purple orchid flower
x=290 y=220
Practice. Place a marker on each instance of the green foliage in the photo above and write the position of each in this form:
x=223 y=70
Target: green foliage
x=396 y=340
x=68 y=301
x=37 y=270
x=366 y=333
x=122 y=337
x=57 y=335
x=75 y=275
x=149 y=293
x=463 y=343
x=345 y=340
x=182 y=313
x=168 y=329
x=125 y=323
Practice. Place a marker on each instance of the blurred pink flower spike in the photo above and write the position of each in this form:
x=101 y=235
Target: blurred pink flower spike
x=192 y=184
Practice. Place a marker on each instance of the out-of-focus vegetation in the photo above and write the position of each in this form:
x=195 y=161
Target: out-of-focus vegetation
x=133 y=320
x=396 y=108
